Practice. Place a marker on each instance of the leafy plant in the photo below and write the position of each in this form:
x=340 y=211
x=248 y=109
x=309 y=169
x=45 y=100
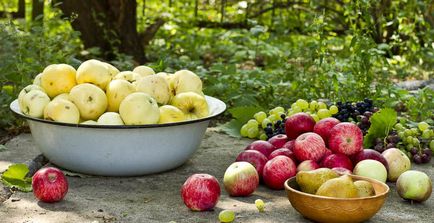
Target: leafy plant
x=15 y=176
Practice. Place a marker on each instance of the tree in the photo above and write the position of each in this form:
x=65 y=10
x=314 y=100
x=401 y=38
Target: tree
x=110 y=25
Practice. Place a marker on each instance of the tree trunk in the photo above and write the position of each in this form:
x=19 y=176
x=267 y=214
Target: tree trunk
x=107 y=24
x=38 y=10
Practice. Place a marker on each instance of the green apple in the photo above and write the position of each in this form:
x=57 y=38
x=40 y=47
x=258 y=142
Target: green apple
x=155 y=86
x=64 y=96
x=57 y=79
x=128 y=76
x=372 y=169
x=240 y=179
x=414 y=185
x=26 y=90
x=398 y=163
x=110 y=118
x=116 y=91
x=89 y=122
x=169 y=114
x=61 y=110
x=139 y=108
x=192 y=104
x=185 y=81
x=144 y=70
x=94 y=72
x=112 y=69
x=90 y=100
x=37 y=79
x=34 y=102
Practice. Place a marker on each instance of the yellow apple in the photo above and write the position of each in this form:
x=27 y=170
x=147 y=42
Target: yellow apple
x=185 y=81
x=155 y=86
x=64 y=96
x=90 y=100
x=128 y=76
x=139 y=108
x=37 y=79
x=57 y=79
x=112 y=69
x=116 y=91
x=61 y=110
x=89 y=122
x=192 y=104
x=94 y=72
x=169 y=114
x=26 y=90
x=34 y=102
x=144 y=70
x=110 y=118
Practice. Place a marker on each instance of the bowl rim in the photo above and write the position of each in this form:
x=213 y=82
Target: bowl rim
x=221 y=108
x=288 y=188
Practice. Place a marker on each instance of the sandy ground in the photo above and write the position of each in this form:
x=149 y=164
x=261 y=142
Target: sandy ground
x=156 y=198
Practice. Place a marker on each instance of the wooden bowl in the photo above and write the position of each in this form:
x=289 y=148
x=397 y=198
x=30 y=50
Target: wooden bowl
x=329 y=209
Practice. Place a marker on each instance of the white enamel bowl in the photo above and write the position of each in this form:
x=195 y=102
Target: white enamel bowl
x=119 y=150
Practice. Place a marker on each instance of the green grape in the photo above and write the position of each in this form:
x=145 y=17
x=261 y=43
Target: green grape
x=296 y=109
x=323 y=113
x=260 y=116
x=279 y=109
x=252 y=123
x=322 y=105
x=333 y=109
x=260 y=205
x=226 y=216
x=409 y=146
x=422 y=126
x=409 y=139
x=426 y=134
x=273 y=118
x=252 y=132
x=416 y=141
x=244 y=130
x=431 y=144
x=303 y=104
x=399 y=126
x=315 y=117
x=401 y=134
x=293 y=105
x=265 y=122
x=313 y=105
x=408 y=132
x=414 y=131
x=263 y=136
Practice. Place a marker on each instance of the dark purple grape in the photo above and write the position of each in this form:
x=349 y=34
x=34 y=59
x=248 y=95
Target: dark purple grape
x=390 y=145
x=283 y=116
x=393 y=139
x=417 y=159
x=374 y=109
x=379 y=148
x=414 y=151
x=425 y=158
x=427 y=151
x=364 y=119
x=367 y=114
x=379 y=141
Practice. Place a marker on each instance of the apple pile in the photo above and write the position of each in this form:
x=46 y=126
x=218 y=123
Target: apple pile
x=98 y=93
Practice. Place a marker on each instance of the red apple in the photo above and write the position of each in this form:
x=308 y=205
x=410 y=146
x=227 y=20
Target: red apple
x=277 y=171
x=327 y=153
x=341 y=170
x=262 y=146
x=49 y=184
x=282 y=152
x=200 y=192
x=337 y=160
x=297 y=124
x=240 y=179
x=278 y=140
x=346 y=138
x=307 y=165
x=309 y=146
x=324 y=126
x=370 y=154
x=255 y=158
x=289 y=145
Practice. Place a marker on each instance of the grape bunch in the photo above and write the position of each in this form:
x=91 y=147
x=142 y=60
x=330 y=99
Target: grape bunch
x=265 y=126
x=391 y=141
x=417 y=141
x=351 y=111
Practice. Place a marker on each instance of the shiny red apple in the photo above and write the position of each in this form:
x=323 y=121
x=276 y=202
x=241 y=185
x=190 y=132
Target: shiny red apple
x=255 y=158
x=262 y=146
x=277 y=171
x=307 y=165
x=337 y=160
x=298 y=124
x=324 y=126
x=200 y=192
x=370 y=154
x=283 y=152
x=49 y=184
x=289 y=145
x=278 y=140
x=345 y=138
x=309 y=146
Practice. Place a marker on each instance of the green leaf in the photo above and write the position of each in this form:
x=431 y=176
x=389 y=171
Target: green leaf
x=381 y=123
x=15 y=176
x=232 y=128
x=244 y=113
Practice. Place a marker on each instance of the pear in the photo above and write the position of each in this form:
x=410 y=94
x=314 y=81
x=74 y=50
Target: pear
x=310 y=181
x=341 y=187
x=364 y=188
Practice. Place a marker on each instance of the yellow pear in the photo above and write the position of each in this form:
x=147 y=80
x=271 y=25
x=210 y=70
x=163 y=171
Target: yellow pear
x=169 y=114
x=364 y=188
x=139 y=108
x=192 y=104
x=90 y=100
x=110 y=118
x=155 y=86
x=116 y=91
x=61 y=110
x=34 y=102
x=341 y=187
x=310 y=181
x=94 y=72
x=144 y=70
x=185 y=81
x=128 y=76
x=57 y=79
